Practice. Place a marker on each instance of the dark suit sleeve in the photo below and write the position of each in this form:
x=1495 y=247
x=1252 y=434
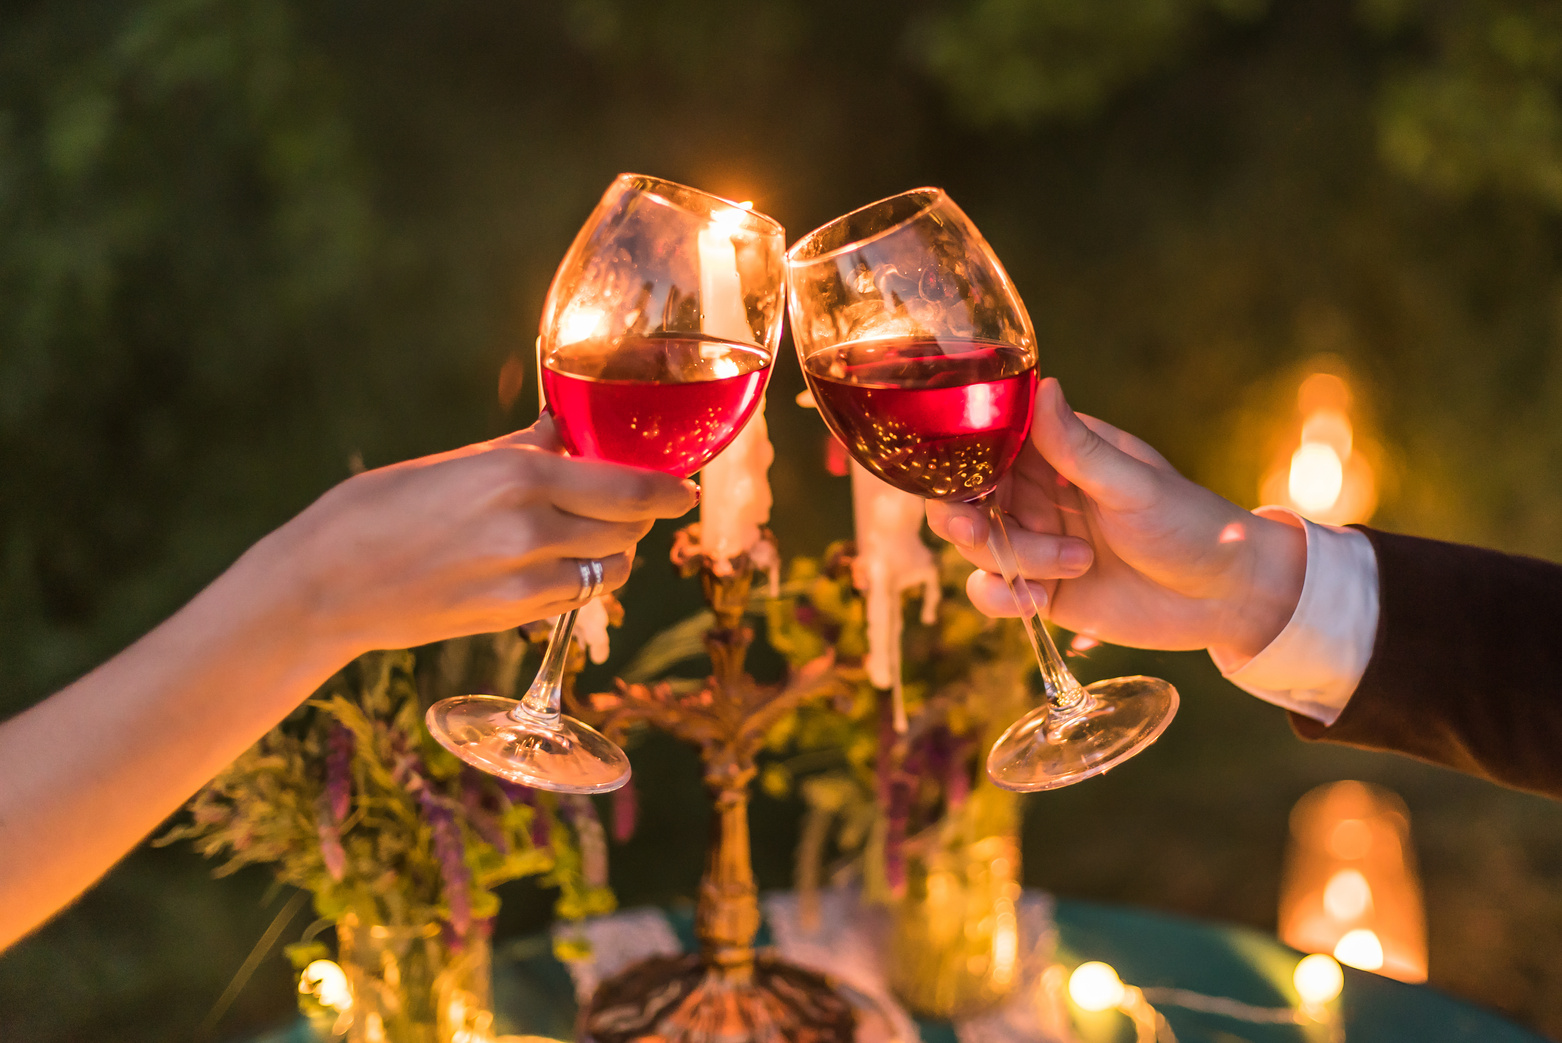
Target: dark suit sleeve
x=1466 y=670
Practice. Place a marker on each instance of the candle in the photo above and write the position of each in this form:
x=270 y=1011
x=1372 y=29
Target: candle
x=1351 y=888
x=735 y=496
x=891 y=558
x=591 y=629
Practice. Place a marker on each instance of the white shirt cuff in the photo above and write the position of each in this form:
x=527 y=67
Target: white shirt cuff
x=1316 y=662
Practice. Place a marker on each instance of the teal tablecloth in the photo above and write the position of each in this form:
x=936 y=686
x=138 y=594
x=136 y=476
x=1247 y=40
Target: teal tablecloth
x=533 y=992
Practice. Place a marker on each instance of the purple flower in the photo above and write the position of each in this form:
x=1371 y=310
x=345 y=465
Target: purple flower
x=450 y=853
x=542 y=828
x=481 y=809
x=626 y=810
x=338 y=772
x=516 y=793
x=541 y=825
x=449 y=847
x=331 y=851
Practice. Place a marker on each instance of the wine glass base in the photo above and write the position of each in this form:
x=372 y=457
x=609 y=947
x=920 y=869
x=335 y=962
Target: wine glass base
x=1119 y=719
x=503 y=738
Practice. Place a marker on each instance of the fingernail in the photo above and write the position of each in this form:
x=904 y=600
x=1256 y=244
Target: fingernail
x=962 y=532
x=1074 y=556
x=1038 y=593
x=695 y=489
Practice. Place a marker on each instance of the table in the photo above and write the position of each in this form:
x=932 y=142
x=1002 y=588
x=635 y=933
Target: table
x=533 y=992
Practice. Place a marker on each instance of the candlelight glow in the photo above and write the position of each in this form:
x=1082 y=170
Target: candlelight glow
x=327 y=982
x=732 y=217
x=579 y=323
x=1350 y=838
x=1317 y=477
x=1360 y=948
x=1318 y=979
x=1095 y=987
x=1006 y=939
x=1322 y=473
x=1347 y=895
x=1351 y=886
x=979 y=406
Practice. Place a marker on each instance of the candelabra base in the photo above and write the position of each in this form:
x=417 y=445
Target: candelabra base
x=683 y=999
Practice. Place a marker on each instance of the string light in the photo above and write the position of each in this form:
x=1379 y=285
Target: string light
x=1095 y=987
x=1318 y=979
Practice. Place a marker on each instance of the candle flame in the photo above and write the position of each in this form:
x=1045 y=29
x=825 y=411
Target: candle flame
x=1360 y=948
x=1317 y=477
x=1323 y=475
x=732 y=216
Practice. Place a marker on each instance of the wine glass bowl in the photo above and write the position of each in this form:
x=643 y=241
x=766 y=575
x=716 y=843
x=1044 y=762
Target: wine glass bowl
x=657 y=338
x=923 y=361
x=659 y=329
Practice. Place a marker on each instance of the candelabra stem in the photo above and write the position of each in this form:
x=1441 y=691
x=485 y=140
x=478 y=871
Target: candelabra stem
x=726 y=993
x=727 y=916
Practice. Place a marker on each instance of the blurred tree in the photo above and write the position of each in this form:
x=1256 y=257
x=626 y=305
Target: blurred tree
x=243 y=239
x=1480 y=105
x=1018 y=61
x=183 y=220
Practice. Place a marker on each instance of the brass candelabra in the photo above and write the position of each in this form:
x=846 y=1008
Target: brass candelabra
x=727 y=992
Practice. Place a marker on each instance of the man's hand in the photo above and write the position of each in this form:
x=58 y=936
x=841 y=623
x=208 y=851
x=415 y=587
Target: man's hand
x=1121 y=547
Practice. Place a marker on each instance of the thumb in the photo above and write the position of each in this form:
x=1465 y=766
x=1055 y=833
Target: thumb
x=1106 y=473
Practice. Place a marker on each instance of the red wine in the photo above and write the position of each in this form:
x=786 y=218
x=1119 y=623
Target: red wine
x=666 y=403
x=942 y=419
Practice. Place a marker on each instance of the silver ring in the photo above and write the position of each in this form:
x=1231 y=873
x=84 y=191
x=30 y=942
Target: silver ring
x=591 y=579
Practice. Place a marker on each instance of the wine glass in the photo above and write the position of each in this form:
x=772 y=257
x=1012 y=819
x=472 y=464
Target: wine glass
x=922 y=360
x=657 y=337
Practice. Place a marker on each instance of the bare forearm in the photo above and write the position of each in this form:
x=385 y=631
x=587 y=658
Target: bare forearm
x=88 y=773
x=471 y=541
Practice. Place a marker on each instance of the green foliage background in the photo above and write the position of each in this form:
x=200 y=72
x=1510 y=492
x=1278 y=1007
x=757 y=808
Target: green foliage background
x=242 y=240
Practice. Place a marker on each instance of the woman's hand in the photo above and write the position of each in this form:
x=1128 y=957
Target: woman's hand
x=471 y=541
x=479 y=539
x=1124 y=549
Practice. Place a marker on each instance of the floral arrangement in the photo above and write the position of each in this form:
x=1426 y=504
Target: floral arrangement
x=352 y=801
x=878 y=795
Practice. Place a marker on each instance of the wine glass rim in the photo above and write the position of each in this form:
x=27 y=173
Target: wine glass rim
x=667 y=192
x=934 y=195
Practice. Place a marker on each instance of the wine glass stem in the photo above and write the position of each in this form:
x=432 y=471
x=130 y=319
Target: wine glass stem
x=546 y=695
x=1065 y=694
